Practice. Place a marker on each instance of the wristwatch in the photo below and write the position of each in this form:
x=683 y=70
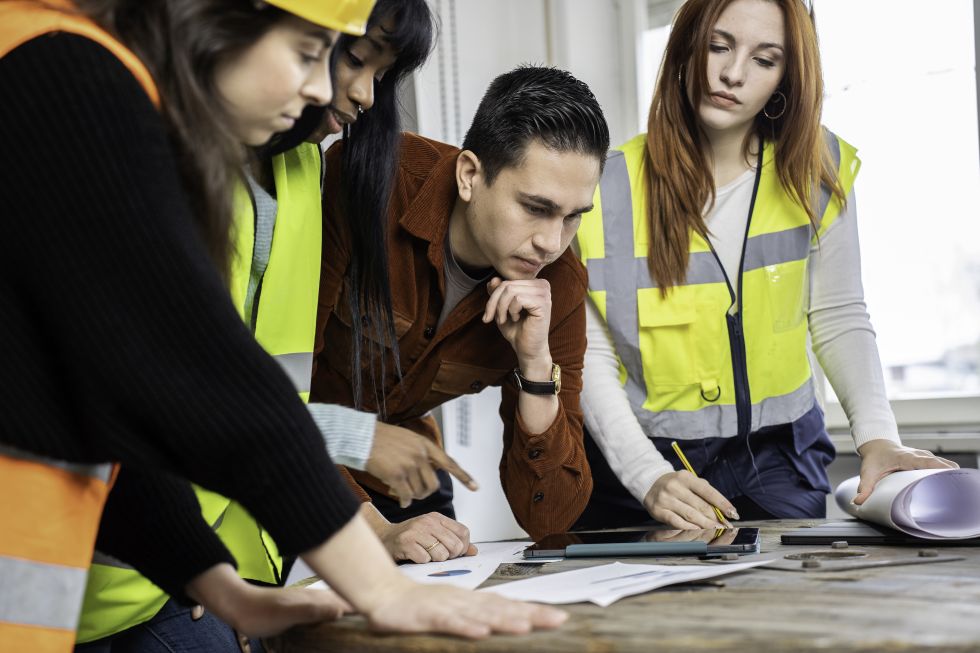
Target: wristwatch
x=551 y=387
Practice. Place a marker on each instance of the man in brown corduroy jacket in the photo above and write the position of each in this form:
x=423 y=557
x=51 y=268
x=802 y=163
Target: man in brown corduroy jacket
x=484 y=292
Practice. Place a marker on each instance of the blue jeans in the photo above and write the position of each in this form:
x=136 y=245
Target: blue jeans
x=172 y=631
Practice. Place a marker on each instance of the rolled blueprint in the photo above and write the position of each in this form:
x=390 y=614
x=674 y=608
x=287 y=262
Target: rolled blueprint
x=935 y=504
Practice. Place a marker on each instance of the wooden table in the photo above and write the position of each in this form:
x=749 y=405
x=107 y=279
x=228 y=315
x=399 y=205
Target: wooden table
x=928 y=607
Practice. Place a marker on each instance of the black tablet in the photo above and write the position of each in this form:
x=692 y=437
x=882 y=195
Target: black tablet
x=646 y=542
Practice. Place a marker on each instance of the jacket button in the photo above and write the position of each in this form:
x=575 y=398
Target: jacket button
x=537 y=497
x=533 y=453
x=476 y=386
x=429 y=332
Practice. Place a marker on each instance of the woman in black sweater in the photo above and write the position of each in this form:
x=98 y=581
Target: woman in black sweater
x=122 y=343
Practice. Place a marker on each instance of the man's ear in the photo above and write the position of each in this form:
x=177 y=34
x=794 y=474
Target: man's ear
x=468 y=170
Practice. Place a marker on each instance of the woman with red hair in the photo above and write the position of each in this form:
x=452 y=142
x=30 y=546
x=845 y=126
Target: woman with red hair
x=723 y=248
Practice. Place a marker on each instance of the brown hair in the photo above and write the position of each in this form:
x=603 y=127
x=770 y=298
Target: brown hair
x=181 y=42
x=676 y=169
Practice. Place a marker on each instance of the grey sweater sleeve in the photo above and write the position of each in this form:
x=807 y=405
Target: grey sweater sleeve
x=840 y=327
x=348 y=433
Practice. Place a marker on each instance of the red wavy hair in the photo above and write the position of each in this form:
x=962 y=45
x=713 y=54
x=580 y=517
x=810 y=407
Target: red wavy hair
x=676 y=168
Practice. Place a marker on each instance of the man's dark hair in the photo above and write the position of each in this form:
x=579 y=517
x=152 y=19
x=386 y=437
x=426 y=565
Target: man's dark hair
x=534 y=102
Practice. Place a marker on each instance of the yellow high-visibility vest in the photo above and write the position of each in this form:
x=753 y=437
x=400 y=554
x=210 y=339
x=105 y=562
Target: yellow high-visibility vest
x=117 y=596
x=698 y=363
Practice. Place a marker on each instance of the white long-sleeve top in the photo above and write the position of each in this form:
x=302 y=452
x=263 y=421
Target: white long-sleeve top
x=840 y=331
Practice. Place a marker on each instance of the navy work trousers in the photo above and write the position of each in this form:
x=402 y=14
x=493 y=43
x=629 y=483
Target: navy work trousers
x=776 y=472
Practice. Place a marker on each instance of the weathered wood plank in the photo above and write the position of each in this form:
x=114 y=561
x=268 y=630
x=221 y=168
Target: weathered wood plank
x=934 y=607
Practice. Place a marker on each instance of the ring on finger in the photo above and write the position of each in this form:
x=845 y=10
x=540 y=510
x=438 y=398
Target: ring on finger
x=429 y=548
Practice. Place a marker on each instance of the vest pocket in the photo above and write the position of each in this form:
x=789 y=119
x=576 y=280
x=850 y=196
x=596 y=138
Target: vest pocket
x=667 y=336
x=788 y=288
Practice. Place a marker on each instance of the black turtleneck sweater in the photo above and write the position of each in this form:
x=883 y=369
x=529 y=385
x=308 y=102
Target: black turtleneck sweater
x=120 y=342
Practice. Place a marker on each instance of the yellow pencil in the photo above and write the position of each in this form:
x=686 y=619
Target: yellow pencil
x=687 y=465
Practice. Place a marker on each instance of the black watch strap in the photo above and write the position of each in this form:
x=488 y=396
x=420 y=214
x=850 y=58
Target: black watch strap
x=551 y=387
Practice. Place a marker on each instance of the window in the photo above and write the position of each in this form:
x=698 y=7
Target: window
x=908 y=101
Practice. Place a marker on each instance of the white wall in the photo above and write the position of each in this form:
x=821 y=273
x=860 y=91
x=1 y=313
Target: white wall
x=479 y=40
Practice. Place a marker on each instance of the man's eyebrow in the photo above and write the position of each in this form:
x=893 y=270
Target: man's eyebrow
x=543 y=201
x=760 y=46
x=551 y=205
x=379 y=47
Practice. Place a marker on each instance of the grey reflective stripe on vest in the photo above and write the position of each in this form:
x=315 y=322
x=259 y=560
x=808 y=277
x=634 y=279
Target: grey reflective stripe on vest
x=39 y=594
x=606 y=273
x=721 y=420
x=100 y=472
x=777 y=247
x=106 y=560
x=298 y=367
x=825 y=196
x=618 y=273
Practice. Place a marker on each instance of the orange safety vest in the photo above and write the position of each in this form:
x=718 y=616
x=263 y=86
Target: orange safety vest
x=50 y=509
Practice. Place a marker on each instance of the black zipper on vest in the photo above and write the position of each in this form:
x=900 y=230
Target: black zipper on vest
x=736 y=329
x=743 y=399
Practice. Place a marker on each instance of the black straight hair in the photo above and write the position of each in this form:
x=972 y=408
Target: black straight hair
x=535 y=103
x=368 y=166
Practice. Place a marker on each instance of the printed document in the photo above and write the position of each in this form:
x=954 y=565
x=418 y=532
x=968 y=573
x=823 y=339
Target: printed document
x=468 y=571
x=606 y=584
x=934 y=504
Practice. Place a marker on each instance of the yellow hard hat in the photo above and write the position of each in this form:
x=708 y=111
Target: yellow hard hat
x=348 y=16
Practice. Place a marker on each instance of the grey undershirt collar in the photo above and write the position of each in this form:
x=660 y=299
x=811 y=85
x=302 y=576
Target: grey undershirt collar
x=459 y=283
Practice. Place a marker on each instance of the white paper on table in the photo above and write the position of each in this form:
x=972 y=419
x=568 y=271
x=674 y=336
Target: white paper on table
x=467 y=571
x=934 y=504
x=606 y=584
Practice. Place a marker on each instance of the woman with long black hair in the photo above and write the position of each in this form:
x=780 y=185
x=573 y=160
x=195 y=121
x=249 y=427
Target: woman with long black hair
x=368 y=70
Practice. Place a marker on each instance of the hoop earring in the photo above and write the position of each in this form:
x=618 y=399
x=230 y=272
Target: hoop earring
x=778 y=115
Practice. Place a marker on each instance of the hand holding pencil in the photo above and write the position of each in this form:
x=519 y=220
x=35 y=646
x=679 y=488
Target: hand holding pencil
x=682 y=500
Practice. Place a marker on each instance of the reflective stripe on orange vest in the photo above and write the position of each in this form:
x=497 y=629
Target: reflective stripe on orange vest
x=50 y=515
x=50 y=509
